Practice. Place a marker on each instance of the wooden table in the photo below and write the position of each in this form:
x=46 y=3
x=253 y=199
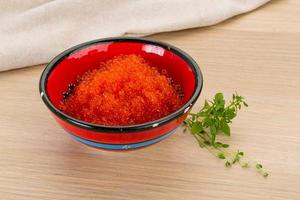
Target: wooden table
x=257 y=54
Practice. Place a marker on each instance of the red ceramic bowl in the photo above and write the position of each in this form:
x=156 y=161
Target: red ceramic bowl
x=65 y=68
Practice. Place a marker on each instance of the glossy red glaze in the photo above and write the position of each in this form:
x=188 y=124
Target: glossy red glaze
x=66 y=67
x=121 y=138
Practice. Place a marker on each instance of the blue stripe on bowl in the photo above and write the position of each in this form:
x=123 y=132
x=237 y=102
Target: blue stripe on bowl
x=121 y=146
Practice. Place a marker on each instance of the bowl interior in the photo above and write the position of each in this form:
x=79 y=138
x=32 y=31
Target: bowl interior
x=69 y=67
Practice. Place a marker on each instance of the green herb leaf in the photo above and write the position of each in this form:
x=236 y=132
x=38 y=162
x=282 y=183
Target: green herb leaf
x=221 y=156
x=196 y=127
x=218 y=144
x=245 y=165
x=265 y=174
x=230 y=113
x=221 y=145
x=241 y=153
x=225 y=128
x=259 y=166
x=219 y=97
x=227 y=164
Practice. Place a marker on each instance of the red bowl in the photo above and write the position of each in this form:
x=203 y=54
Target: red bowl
x=65 y=68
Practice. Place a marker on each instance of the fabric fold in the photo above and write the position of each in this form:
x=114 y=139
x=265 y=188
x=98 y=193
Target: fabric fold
x=34 y=31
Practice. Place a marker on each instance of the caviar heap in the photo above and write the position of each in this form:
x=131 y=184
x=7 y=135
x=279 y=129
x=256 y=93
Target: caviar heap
x=125 y=90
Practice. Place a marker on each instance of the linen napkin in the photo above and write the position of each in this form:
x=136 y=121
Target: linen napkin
x=34 y=31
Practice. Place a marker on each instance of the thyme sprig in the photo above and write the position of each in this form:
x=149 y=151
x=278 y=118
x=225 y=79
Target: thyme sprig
x=214 y=119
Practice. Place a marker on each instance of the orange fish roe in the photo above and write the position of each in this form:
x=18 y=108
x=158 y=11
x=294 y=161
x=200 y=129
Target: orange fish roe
x=125 y=90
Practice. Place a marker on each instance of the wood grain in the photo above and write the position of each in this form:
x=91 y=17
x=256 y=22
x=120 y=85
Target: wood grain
x=257 y=54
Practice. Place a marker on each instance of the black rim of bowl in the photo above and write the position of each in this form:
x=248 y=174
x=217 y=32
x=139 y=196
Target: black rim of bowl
x=131 y=128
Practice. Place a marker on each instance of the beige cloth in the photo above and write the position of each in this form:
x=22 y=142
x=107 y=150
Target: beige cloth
x=34 y=31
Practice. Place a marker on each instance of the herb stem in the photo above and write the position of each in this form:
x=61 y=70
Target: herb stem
x=214 y=118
